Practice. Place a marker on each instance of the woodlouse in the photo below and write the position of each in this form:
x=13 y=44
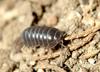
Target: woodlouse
x=42 y=36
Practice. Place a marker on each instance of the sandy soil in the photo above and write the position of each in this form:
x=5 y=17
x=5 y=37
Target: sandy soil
x=79 y=19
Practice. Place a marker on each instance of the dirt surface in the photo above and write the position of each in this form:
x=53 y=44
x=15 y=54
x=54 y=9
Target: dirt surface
x=79 y=19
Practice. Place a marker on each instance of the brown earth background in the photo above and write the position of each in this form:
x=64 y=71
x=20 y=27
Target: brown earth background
x=79 y=19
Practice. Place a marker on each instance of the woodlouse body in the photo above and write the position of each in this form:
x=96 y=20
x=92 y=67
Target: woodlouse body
x=42 y=36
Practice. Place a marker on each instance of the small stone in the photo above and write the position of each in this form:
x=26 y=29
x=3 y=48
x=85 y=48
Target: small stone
x=71 y=62
x=16 y=57
x=75 y=54
x=91 y=61
x=17 y=70
x=40 y=70
x=52 y=20
x=32 y=63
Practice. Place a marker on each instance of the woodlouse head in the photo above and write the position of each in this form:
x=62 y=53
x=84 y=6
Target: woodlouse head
x=57 y=38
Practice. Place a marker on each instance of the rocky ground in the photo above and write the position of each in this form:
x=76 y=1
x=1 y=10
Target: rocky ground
x=79 y=19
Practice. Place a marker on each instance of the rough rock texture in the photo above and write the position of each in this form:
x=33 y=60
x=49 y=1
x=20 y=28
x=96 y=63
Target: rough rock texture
x=79 y=19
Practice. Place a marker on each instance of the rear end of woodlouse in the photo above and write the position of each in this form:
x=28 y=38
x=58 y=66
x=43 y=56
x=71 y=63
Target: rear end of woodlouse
x=42 y=36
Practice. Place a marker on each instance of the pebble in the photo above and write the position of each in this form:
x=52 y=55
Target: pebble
x=40 y=70
x=16 y=57
x=17 y=70
x=91 y=61
x=75 y=54
x=52 y=20
x=32 y=63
